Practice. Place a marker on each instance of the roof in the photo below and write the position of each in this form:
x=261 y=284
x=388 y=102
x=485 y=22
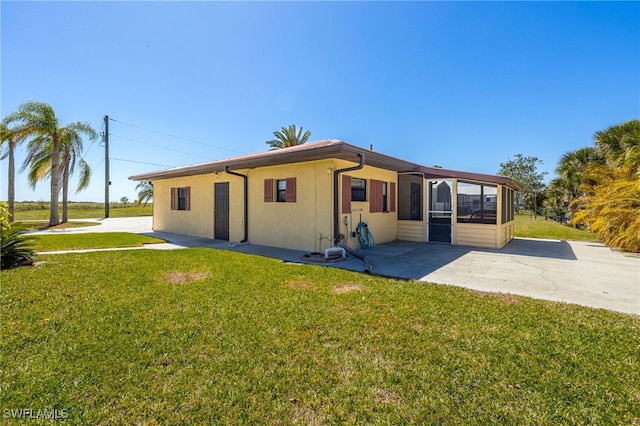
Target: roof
x=330 y=148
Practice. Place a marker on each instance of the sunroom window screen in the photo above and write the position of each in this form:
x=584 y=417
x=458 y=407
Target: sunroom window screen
x=477 y=203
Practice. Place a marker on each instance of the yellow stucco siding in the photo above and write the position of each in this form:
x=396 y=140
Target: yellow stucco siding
x=195 y=221
x=305 y=224
x=198 y=220
x=382 y=225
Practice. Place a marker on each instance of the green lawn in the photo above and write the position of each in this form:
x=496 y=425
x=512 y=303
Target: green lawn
x=40 y=211
x=92 y=240
x=201 y=336
x=527 y=227
x=43 y=225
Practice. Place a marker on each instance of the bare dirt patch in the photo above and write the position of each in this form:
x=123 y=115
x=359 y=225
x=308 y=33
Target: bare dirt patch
x=503 y=297
x=386 y=397
x=346 y=288
x=175 y=277
x=301 y=285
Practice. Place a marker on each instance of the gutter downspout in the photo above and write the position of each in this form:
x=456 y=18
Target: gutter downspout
x=336 y=198
x=246 y=202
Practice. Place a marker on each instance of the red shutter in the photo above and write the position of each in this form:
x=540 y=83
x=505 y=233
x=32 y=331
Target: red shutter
x=346 y=194
x=291 y=190
x=174 y=198
x=268 y=190
x=392 y=196
x=187 y=198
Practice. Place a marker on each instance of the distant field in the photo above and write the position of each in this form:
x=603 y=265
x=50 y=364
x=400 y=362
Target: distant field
x=40 y=210
x=527 y=227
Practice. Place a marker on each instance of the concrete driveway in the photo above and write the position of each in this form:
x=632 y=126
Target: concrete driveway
x=585 y=273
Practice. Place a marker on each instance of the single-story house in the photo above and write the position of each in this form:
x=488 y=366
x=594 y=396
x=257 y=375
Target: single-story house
x=312 y=196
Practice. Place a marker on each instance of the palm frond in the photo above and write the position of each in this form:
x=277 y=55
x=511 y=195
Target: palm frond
x=288 y=136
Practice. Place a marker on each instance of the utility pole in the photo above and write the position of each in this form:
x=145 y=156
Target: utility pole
x=106 y=166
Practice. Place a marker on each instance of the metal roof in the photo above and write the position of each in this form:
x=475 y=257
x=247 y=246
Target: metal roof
x=321 y=150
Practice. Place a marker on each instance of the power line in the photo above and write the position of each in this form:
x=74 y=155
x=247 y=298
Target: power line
x=93 y=141
x=158 y=146
x=139 y=162
x=176 y=137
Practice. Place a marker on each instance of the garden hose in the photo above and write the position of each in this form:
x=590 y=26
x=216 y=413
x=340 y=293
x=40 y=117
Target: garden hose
x=364 y=236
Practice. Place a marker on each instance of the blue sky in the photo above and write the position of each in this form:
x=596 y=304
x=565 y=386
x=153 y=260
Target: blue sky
x=464 y=85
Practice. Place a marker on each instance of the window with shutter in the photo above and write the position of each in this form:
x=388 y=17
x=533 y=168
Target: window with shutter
x=181 y=198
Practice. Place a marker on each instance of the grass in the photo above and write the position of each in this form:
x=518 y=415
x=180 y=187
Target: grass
x=41 y=226
x=206 y=336
x=40 y=211
x=93 y=240
x=527 y=227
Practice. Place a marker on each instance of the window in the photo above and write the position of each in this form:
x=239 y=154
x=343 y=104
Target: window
x=285 y=190
x=358 y=189
x=385 y=206
x=477 y=203
x=282 y=191
x=181 y=198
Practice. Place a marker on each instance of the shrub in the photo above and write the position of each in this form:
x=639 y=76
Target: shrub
x=15 y=249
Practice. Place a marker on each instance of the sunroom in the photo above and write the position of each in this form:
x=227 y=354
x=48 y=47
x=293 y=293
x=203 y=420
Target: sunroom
x=451 y=207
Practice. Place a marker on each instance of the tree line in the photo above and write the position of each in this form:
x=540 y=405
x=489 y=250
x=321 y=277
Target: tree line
x=596 y=187
x=599 y=186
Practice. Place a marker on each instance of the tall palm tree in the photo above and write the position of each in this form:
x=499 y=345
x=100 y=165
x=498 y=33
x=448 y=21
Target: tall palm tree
x=10 y=138
x=38 y=122
x=39 y=160
x=145 y=193
x=287 y=136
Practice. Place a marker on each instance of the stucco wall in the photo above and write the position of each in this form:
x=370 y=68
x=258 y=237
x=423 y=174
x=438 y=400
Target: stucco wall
x=383 y=225
x=306 y=224
x=198 y=221
x=303 y=225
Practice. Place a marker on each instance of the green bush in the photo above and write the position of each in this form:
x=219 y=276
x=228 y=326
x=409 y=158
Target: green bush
x=16 y=249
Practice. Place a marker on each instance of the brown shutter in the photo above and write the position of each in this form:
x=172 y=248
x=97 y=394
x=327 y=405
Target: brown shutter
x=346 y=194
x=291 y=190
x=268 y=190
x=392 y=196
x=375 y=196
x=174 y=198
x=187 y=198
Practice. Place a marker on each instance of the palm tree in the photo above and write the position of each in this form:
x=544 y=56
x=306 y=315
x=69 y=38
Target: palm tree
x=71 y=154
x=11 y=139
x=571 y=168
x=287 y=137
x=38 y=123
x=611 y=205
x=146 y=192
x=39 y=160
x=615 y=141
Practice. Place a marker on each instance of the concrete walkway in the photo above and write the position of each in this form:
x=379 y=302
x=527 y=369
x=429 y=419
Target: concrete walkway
x=584 y=273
